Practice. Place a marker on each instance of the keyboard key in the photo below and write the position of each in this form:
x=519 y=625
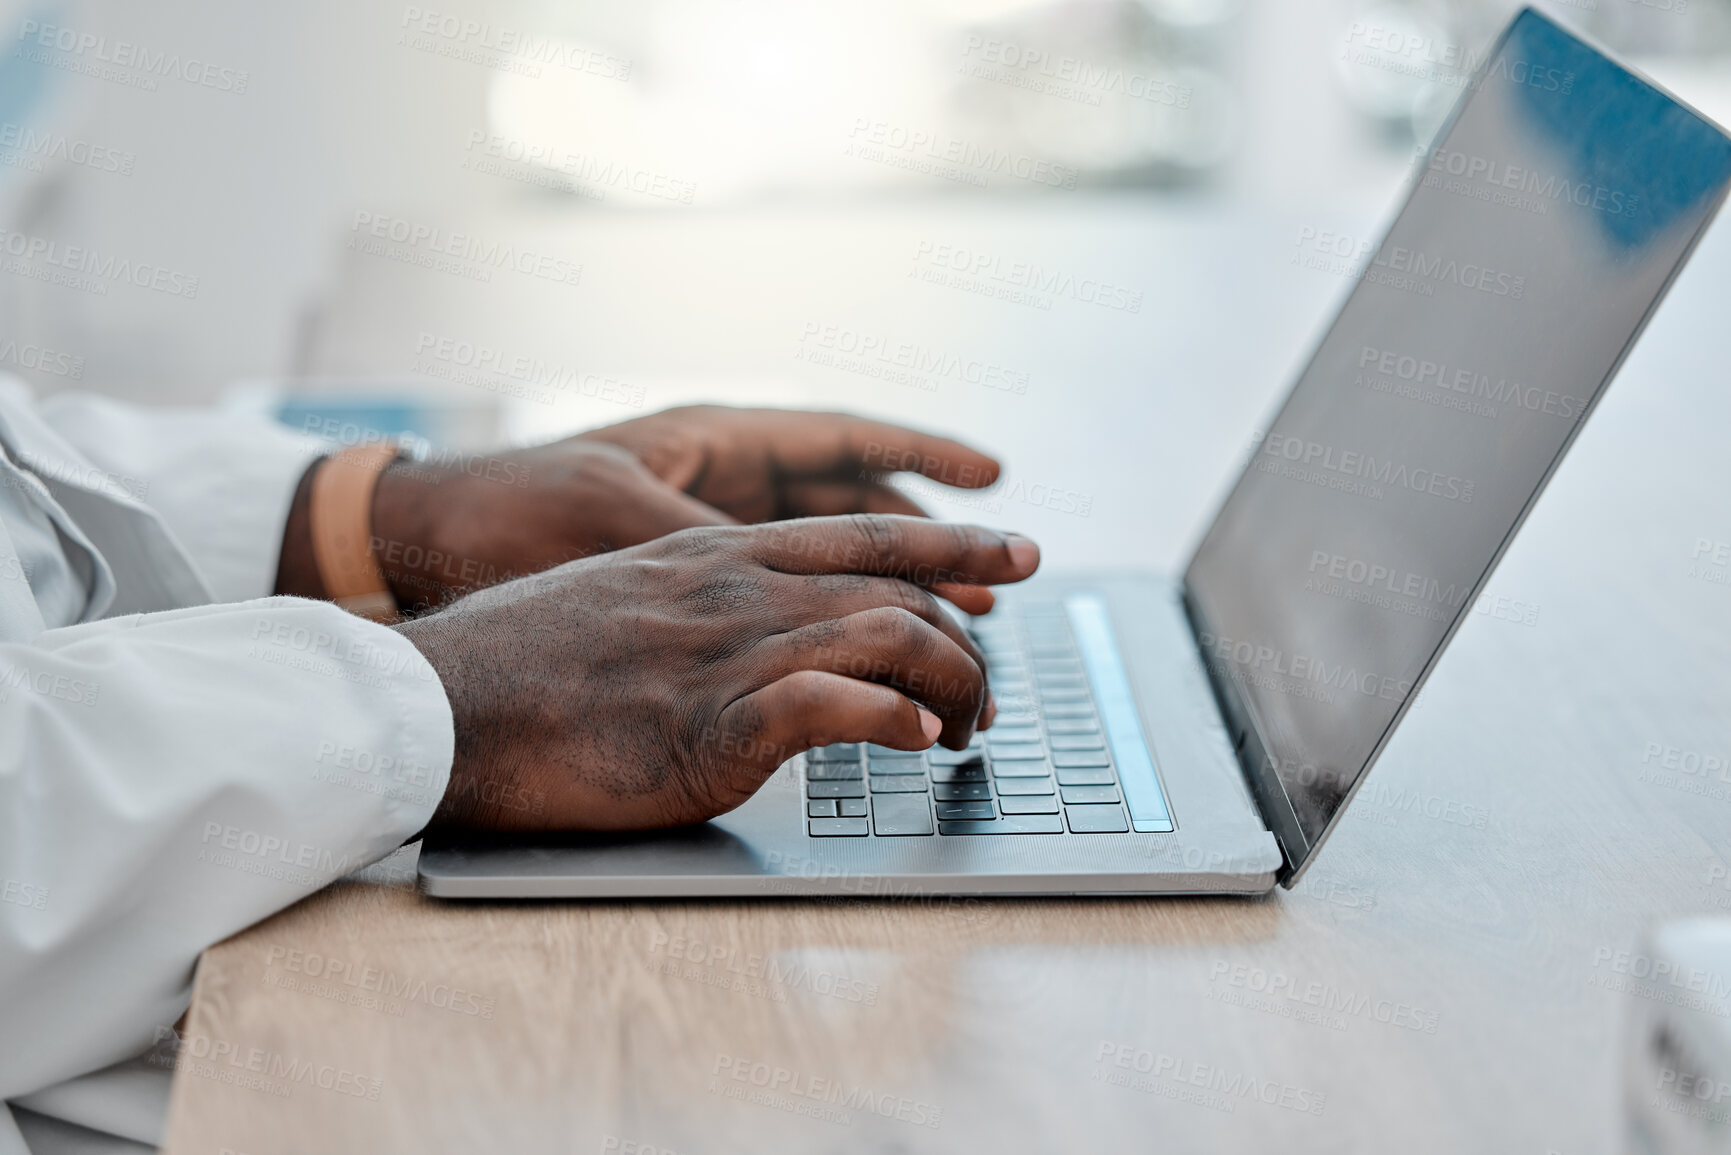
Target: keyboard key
x=958 y=811
x=877 y=751
x=854 y=789
x=1087 y=776
x=839 y=828
x=900 y=814
x=1097 y=819
x=1066 y=695
x=998 y=735
x=1010 y=751
x=913 y=765
x=938 y=756
x=961 y=791
x=1008 y=824
x=899 y=784
x=850 y=807
x=1078 y=742
x=1035 y=769
x=1077 y=725
x=832 y=771
x=1029 y=804
x=1055 y=710
x=966 y=772
x=822 y=807
x=1007 y=786
x=1089 y=794
x=1081 y=758
x=843 y=752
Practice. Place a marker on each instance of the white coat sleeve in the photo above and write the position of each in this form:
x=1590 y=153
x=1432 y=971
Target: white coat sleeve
x=206 y=474
x=169 y=779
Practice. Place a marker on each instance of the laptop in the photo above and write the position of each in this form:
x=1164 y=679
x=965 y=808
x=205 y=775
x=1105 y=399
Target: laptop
x=1205 y=734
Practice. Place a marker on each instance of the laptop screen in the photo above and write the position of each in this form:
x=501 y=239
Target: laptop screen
x=1541 y=229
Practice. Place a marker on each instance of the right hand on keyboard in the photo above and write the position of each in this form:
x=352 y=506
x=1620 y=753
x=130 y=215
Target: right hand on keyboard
x=661 y=685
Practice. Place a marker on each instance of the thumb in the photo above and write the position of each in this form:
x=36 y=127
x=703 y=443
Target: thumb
x=654 y=509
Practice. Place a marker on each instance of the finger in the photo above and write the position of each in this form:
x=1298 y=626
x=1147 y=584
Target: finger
x=976 y=600
x=892 y=647
x=657 y=509
x=825 y=443
x=831 y=498
x=810 y=708
x=922 y=552
x=830 y=596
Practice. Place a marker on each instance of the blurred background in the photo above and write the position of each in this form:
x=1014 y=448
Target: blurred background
x=1087 y=230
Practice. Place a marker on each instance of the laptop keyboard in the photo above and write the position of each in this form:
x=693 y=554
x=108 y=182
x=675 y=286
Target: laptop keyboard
x=1045 y=766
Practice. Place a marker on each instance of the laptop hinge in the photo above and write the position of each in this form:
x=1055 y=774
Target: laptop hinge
x=1254 y=761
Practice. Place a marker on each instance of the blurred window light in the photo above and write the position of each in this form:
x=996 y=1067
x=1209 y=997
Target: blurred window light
x=729 y=101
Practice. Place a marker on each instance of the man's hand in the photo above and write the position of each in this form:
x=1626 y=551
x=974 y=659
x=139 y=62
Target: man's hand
x=660 y=685
x=440 y=532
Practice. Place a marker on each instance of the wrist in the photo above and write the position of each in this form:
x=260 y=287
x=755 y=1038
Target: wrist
x=403 y=542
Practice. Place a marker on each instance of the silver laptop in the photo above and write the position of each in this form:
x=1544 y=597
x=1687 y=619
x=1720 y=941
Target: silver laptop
x=1205 y=734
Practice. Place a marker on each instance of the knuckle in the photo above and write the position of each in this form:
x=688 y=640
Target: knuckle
x=700 y=540
x=901 y=627
x=913 y=599
x=880 y=532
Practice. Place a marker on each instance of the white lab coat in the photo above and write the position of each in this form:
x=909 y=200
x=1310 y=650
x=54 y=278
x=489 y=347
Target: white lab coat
x=189 y=759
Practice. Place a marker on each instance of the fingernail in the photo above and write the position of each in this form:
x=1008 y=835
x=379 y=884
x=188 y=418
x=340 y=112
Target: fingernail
x=1024 y=553
x=930 y=723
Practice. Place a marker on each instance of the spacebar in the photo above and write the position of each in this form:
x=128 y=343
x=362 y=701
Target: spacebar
x=1009 y=824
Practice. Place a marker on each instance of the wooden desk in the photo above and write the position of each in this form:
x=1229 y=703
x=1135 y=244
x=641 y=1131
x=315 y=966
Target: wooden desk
x=1445 y=980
